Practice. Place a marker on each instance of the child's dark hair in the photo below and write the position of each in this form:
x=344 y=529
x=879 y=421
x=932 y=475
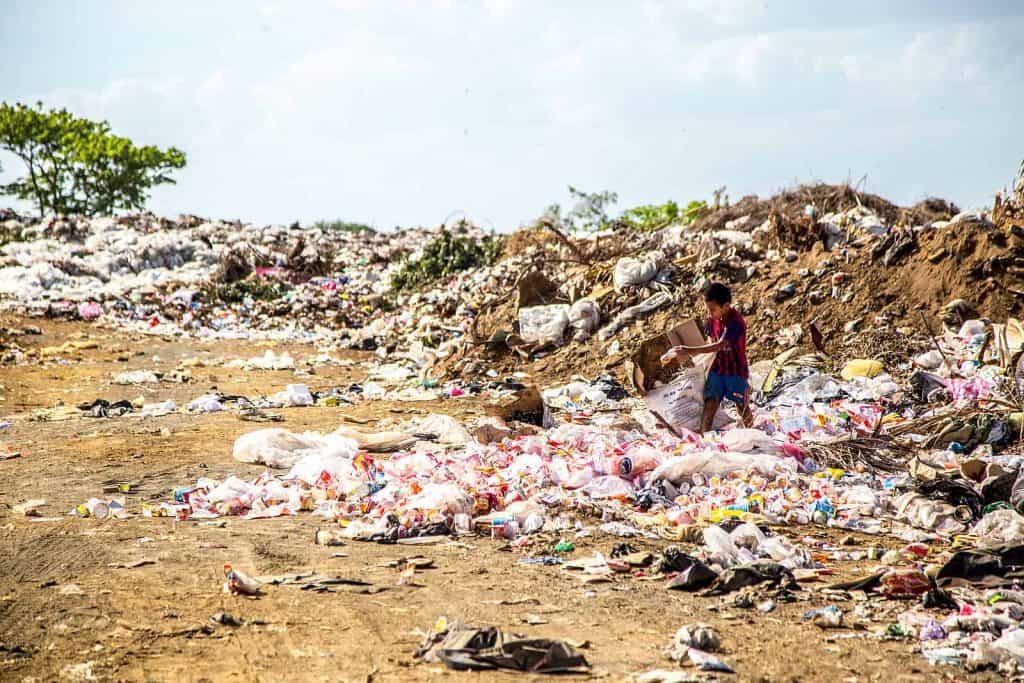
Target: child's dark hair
x=718 y=293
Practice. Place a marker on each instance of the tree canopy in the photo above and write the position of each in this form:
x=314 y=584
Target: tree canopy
x=78 y=166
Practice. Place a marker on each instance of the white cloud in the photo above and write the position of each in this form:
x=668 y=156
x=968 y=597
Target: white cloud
x=726 y=12
x=403 y=113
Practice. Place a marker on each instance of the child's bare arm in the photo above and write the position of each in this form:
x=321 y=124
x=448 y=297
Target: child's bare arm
x=677 y=351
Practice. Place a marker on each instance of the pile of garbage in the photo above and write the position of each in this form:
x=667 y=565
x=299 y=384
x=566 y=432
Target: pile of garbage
x=885 y=406
x=826 y=256
x=933 y=462
x=217 y=279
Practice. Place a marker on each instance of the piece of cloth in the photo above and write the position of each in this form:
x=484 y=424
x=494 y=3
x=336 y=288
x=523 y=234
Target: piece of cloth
x=976 y=565
x=735 y=578
x=729 y=387
x=731 y=360
x=463 y=648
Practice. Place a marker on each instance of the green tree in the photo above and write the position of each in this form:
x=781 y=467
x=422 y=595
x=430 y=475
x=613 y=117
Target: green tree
x=78 y=166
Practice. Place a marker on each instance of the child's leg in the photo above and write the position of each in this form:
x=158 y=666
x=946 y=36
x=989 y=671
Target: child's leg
x=739 y=393
x=745 y=415
x=707 y=418
x=714 y=391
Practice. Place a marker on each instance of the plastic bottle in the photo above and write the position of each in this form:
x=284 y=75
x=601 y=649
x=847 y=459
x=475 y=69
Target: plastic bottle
x=463 y=523
x=534 y=523
x=826 y=617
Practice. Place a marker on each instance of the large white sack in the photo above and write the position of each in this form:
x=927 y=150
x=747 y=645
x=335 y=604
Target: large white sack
x=544 y=324
x=633 y=272
x=681 y=467
x=750 y=441
x=446 y=428
x=281 y=448
x=680 y=403
x=584 y=317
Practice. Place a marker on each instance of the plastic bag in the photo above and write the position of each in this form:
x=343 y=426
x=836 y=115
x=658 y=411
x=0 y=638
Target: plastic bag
x=293 y=395
x=971 y=329
x=720 y=545
x=609 y=487
x=281 y=448
x=929 y=360
x=333 y=459
x=861 y=367
x=584 y=317
x=630 y=314
x=681 y=467
x=136 y=377
x=271 y=361
x=157 y=409
x=681 y=401
x=1009 y=646
x=447 y=429
x=633 y=272
x=444 y=498
x=748 y=536
x=207 y=403
x=998 y=528
x=544 y=324
x=750 y=441
x=931 y=515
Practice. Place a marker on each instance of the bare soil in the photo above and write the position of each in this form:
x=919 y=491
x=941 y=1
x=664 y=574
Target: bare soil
x=73 y=606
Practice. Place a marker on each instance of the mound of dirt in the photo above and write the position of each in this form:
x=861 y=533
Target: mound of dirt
x=865 y=297
x=791 y=204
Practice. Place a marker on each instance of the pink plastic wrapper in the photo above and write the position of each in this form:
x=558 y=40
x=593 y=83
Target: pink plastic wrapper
x=89 y=310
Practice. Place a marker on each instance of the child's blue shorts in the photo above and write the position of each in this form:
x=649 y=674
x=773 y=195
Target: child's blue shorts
x=728 y=387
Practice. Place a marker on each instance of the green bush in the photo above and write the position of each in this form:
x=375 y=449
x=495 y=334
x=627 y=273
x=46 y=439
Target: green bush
x=445 y=256
x=653 y=216
x=258 y=289
x=343 y=226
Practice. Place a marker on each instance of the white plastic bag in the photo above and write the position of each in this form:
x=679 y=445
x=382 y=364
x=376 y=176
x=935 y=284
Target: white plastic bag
x=293 y=395
x=444 y=498
x=750 y=441
x=334 y=459
x=207 y=403
x=544 y=324
x=158 y=409
x=584 y=317
x=633 y=272
x=281 y=448
x=609 y=487
x=720 y=546
x=680 y=403
x=999 y=527
x=136 y=377
x=448 y=430
x=681 y=467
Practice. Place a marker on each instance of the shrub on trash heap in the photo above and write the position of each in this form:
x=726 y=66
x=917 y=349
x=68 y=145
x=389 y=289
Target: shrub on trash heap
x=590 y=213
x=252 y=287
x=654 y=216
x=445 y=256
x=343 y=226
x=77 y=166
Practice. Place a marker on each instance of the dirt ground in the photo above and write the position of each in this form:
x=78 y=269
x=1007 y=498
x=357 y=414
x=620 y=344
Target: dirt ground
x=73 y=606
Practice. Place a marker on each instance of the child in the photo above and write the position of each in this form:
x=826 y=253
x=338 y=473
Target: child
x=730 y=370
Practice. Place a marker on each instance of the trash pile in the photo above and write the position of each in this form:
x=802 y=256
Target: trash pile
x=823 y=264
x=859 y=452
x=886 y=409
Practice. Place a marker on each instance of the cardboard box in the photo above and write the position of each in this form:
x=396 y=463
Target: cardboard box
x=647 y=368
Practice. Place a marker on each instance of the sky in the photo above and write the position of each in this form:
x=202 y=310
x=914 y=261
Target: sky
x=412 y=112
